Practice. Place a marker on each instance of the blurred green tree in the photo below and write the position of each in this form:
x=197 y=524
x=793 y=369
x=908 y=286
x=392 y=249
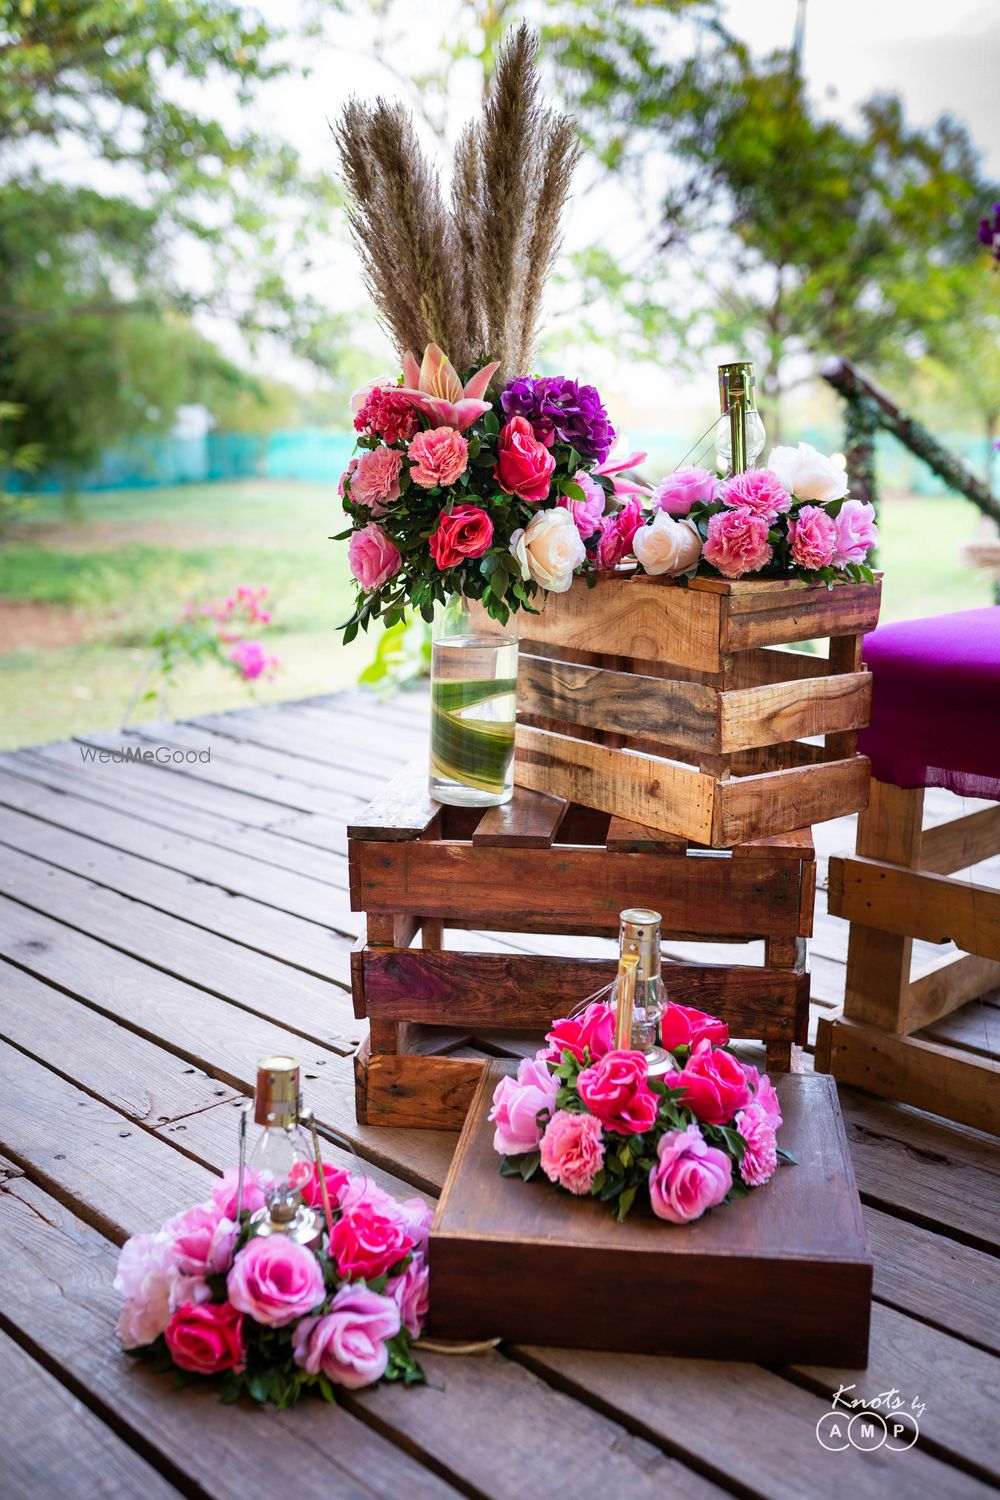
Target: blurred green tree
x=129 y=198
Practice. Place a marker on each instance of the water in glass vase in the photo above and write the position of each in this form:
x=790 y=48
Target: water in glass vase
x=473 y=685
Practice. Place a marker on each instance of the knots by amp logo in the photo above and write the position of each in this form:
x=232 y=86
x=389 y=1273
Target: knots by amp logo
x=887 y=1420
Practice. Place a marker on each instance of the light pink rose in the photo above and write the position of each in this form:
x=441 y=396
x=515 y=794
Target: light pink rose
x=587 y=512
x=573 y=1150
x=759 y=491
x=203 y=1240
x=813 y=535
x=438 y=456
x=145 y=1277
x=224 y=1192
x=760 y=1159
x=417 y=1217
x=275 y=1281
x=857 y=533
x=375 y=481
x=410 y=1292
x=348 y=1344
x=206 y=1339
x=684 y=488
x=689 y=1177
x=766 y=1100
x=372 y=557
x=517 y=1102
x=737 y=543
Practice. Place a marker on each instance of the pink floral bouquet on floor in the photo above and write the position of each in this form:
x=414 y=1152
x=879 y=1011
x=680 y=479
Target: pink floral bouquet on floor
x=206 y=1297
x=590 y=1117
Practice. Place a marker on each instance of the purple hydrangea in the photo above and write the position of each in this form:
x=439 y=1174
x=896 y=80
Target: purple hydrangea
x=989 y=232
x=562 y=411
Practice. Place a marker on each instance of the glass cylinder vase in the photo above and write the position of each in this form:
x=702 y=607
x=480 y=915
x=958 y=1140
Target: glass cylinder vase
x=473 y=689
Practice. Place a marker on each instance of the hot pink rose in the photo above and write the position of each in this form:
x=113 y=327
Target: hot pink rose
x=760 y=1159
x=573 y=1151
x=524 y=465
x=759 y=491
x=617 y=535
x=464 y=531
x=616 y=1089
x=372 y=557
x=587 y=513
x=593 y=1030
x=224 y=1192
x=857 y=533
x=305 y=1176
x=716 y=1086
x=366 y=1243
x=348 y=1344
x=206 y=1338
x=438 y=456
x=275 y=1281
x=375 y=481
x=516 y=1104
x=682 y=1026
x=766 y=1100
x=145 y=1277
x=813 y=535
x=737 y=543
x=684 y=488
x=689 y=1177
x=410 y=1292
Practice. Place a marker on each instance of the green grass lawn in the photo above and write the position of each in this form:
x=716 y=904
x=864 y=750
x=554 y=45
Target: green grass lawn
x=81 y=596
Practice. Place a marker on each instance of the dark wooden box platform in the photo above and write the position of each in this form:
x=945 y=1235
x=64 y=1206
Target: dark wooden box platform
x=783 y=1275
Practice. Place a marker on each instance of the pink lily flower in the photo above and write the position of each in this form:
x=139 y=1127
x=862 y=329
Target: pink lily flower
x=621 y=481
x=436 y=391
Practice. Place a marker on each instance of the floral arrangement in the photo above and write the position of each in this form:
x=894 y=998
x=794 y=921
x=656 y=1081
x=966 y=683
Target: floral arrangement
x=207 y=1297
x=592 y=1120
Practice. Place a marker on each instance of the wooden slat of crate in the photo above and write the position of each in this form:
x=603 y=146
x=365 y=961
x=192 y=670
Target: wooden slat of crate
x=530 y=820
x=759 y=615
x=916 y=903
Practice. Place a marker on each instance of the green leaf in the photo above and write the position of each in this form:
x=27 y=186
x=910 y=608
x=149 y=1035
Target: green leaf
x=490 y=423
x=625 y=1202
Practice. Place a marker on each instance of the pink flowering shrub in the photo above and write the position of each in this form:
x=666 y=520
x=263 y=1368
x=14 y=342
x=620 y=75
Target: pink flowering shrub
x=221 y=630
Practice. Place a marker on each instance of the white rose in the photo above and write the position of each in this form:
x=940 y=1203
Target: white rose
x=667 y=545
x=808 y=474
x=549 y=549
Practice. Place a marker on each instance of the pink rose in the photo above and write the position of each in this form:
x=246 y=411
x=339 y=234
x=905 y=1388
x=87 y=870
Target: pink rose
x=524 y=465
x=760 y=1159
x=464 y=531
x=145 y=1278
x=857 y=533
x=375 y=481
x=682 y=1026
x=593 y=1030
x=305 y=1176
x=367 y=1243
x=410 y=1292
x=348 y=1344
x=347 y=474
x=759 y=491
x=516 y=1104
x=207 y=1338
x=813 y=535
x=586 y=513
x=438 y=456
x=737 y=543
x=766 y=1100
x=616 y=1090
x=617 y=535
x=372 y=557
x=275 y=1281
x=684 y=488
x=417 y=1216
x=573 y=1150
x=689 y=1177
x=715 y=1084
x=224 y=1193
x=203 y=1240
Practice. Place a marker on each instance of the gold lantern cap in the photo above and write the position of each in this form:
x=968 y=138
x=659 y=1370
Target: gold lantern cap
x=640 y=934
x=277 y=1100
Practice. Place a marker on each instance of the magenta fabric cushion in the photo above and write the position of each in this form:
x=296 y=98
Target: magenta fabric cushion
x=936 y=703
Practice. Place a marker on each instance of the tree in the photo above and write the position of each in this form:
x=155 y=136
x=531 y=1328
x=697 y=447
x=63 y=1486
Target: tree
x=963 y=365
x=126 y=204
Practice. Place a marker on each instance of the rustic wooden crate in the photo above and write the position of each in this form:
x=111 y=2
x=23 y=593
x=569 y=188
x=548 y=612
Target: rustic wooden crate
x=670 y=705
x=783 y=1275
x=542 y=865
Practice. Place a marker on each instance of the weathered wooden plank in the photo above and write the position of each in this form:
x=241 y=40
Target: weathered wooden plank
x=793 y=710
x=637 y=617
x=402 y=810
x=795 y=845
x=962 y=842
x=937 y=1279
x=417 y=1092
x=753 y=669
x=916 y=903
x=53 y=1445
x=650 y=708
x=758 y=617
x=973 y=1028
x=530 y=820
x=756 y=806
x=931 y=996
x=271 y=734
x=624 y=837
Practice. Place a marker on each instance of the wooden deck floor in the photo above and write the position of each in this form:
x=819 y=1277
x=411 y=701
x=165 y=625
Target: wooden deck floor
x=162 y=926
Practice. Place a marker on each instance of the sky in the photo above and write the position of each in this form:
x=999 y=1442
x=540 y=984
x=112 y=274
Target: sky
x=938 y=56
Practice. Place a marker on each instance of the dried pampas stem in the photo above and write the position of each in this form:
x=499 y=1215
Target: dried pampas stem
x=561 y=151
x=466 y=206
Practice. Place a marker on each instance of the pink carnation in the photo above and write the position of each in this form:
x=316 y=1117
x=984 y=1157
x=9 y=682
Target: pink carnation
x=684 y=488
x=439 y=456
x=737 y=543
x=760 y=1159
x=375 y=481
x=588 y=512
x=689 y=1177
x=857 y=533
x=813 y=535
x=573 y=1150
x=517 y=1102
x=347 y=474
x=372 y=558
x=766 y=1100
x=759 y=491
x=388 y=414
